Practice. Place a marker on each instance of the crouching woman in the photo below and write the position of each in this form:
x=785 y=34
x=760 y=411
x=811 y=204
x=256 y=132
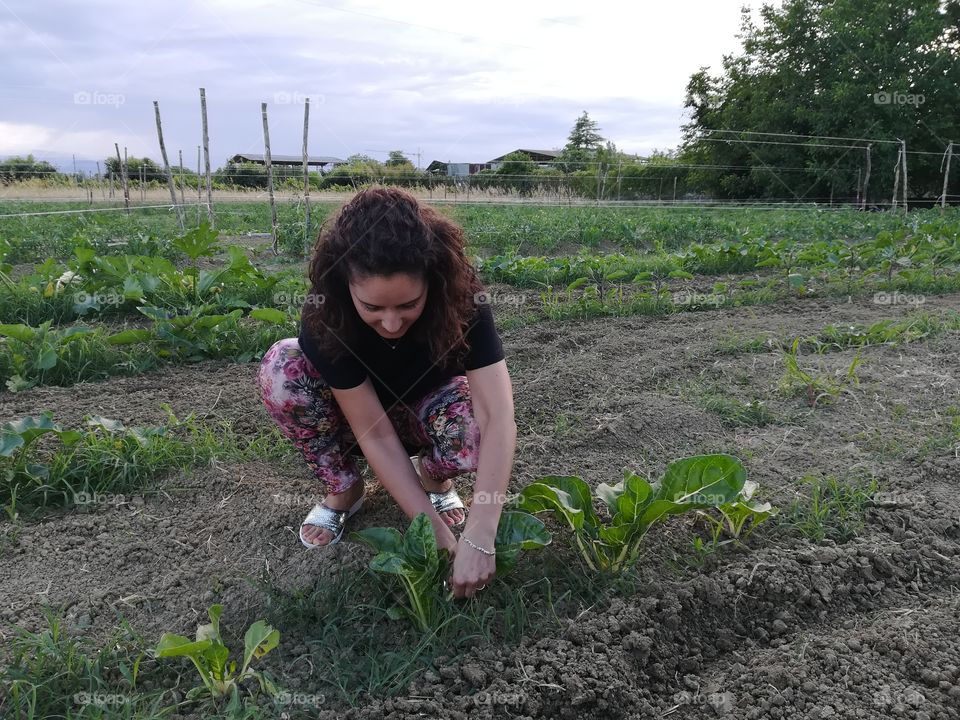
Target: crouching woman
x=398 y=356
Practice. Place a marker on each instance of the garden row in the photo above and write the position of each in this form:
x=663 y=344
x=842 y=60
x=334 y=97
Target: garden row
x=504 y=228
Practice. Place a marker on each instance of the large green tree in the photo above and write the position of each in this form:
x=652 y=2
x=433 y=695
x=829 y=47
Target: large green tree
x=834 y=69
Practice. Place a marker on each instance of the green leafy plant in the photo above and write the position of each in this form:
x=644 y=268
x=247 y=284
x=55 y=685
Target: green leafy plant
x=634 y=505
x=739 y=518
x=814 y=386
x=34 y=351
x=211 y=657
x=421 y=567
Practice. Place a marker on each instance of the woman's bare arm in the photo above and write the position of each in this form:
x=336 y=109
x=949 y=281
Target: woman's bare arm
x=387 y=456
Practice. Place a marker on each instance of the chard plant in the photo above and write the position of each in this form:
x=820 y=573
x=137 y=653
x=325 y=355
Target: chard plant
x=221 y=676
x=421 y=567
x=612 y=544
x=739 y=518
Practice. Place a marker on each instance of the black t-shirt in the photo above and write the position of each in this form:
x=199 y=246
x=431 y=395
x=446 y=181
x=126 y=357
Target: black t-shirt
x=407 y=372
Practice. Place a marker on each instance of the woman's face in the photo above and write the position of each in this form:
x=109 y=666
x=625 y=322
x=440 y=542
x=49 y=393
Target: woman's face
x=389 y=304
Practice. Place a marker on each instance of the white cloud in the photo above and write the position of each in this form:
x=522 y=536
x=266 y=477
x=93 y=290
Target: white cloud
x=460 y=81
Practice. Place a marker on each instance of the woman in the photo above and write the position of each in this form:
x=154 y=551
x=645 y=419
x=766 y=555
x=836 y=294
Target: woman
x=398 y=356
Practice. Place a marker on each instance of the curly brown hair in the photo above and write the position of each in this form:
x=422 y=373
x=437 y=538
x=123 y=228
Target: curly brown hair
x=384 y=231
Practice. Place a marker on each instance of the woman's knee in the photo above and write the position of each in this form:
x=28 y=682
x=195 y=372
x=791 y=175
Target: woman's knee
x=282 y=362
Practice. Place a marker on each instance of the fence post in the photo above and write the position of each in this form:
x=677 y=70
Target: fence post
x=896 y=181
x=166 y=168
x=946 y=175
x=123 y=177
x=269 y=164
x=866 y=179
x=206 y=156
x=306 y=177
x=903 y=159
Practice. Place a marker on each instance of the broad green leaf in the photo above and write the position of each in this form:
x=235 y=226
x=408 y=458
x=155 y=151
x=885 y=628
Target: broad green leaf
x=391 y=563
x=540 y=496
x=259 y=639
x=521 y=529
x=132 y=289
x=381 y=539
x=23 y=333
x=171 y=645
x=129 y=337
x=111 y=426
x=270 y=315
x=707 y=480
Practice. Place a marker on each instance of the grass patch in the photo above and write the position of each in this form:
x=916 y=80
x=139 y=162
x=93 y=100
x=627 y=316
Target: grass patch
x=357 y=651
x=106 y=458
x=827 y=508
x=53 y=675
x=736 y=413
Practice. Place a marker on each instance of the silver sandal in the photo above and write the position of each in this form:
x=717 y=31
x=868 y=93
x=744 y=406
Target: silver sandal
x=329 y=519
x=442 y=501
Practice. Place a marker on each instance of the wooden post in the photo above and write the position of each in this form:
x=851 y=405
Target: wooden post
x=100 y=182
x=866 y=179
x=269 y=164
x=896 y=181
x=123 y=177
x=206 y=156
x=946 y=175
x=199 y=187
x=183 y=197
x=903 y=159
x=166 y=168
x=674 y=189
x=306 y=176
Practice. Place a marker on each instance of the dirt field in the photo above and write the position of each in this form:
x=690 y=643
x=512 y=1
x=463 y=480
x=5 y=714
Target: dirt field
x=783 y=627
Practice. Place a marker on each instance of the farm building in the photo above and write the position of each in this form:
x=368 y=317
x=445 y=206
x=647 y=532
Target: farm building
x=437 y=167
x=542 y=157
x=455 y=169
x=320 y=162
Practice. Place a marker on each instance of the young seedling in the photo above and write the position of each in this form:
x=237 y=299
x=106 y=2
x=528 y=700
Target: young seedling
x=740 y=518
x=634 y=505
x=421 y=567
x=211 y=658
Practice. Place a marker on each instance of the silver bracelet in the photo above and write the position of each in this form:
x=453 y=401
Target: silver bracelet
x=477 y=547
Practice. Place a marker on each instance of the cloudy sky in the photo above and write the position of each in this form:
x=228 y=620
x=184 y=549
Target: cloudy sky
x=463 y=82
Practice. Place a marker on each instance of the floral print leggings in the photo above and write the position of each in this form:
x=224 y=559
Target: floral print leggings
x=440 y=427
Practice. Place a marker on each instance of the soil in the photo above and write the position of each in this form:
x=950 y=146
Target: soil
x=779 y=627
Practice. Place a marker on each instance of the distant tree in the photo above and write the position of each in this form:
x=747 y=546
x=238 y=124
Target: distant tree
x=582 y=144
x=153 y=170
x=22 y=168
x=397 y=158
x=585 y=134
x=828 y=68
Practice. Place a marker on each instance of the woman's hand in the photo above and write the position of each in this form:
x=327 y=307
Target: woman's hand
x=472 y=569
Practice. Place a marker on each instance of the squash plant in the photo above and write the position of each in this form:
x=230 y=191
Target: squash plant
x=634 y=505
